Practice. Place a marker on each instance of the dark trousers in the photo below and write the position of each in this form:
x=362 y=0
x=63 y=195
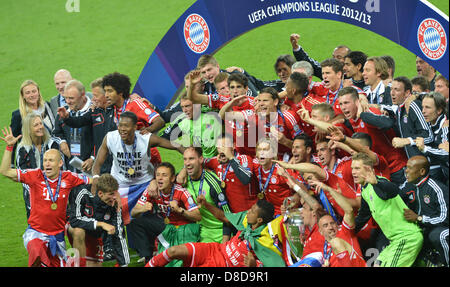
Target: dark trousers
x=437 y=237
x=144 y=231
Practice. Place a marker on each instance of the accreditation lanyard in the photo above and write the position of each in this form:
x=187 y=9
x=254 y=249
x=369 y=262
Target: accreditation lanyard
x=74 y=132
x=53 y=197
x=129 y=161
x=200 y=191
x=170 y=199
x=263 y=189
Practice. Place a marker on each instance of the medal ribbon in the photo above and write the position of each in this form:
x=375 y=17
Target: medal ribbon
x=334 y=167
x=170 y=199
x=335 y=96
x=54 y=197
x=116 y=114
x=224 y=174
x=129 y=162
x=201 y=183
x=262 y=190
x=326 y=204
x=326 y=253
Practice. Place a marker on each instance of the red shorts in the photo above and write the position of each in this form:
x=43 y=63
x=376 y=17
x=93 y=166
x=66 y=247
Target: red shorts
x=38 y=249
x=203 y=254
x=94 y=246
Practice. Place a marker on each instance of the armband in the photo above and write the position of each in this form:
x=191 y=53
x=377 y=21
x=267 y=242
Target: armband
x=95 y=176
x=10 y=148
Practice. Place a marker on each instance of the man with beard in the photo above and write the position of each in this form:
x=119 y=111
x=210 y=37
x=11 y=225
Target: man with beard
x=201 y=181
x=173 y=203
x=351 y=106
x=235 y=172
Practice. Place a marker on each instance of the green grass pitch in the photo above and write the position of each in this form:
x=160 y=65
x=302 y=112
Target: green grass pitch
x=40 y=37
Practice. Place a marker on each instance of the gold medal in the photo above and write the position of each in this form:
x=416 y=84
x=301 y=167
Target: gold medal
x=326 y=263
x=260 y=195
x=130 y=171
x=222 y=184
x=238 y=133
x=54 y=206
x=166 y=220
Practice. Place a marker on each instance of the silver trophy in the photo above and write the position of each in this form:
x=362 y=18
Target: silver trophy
x=295 y=229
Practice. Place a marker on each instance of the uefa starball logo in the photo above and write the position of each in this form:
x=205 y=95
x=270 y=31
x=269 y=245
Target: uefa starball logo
x=432 y=39
x=196 y=33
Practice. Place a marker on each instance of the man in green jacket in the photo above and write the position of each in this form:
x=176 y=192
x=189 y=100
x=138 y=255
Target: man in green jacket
x=380 y=199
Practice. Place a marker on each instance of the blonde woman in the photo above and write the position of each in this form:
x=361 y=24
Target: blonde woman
x=31 y=102
x=36 y=140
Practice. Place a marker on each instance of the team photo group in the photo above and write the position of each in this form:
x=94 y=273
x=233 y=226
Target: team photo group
x=351 y=170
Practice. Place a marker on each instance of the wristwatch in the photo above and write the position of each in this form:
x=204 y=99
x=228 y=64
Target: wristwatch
x=419 y=218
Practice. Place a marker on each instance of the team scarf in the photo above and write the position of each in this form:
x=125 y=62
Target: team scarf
x=259 y=239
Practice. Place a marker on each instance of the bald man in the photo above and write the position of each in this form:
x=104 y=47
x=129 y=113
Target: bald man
x=61 y=78
x=49 y=193
x=428 y=200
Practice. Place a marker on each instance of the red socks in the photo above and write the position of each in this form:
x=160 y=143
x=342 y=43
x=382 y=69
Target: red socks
x=159 y=260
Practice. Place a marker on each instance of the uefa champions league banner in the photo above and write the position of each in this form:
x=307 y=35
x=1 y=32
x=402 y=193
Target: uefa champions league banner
x=208 y=25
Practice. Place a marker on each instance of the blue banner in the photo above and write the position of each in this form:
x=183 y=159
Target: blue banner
x=209 y=24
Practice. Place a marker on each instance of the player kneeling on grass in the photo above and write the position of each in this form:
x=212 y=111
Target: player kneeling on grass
x=49 y=193
x=95 y=219
x=249 y=247
x=164 y=199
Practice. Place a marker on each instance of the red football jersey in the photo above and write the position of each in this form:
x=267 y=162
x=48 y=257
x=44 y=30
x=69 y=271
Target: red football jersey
x=145 y=114
x=307 y=102
x=333 y=181
x=382 y=167
x=213 y=254
x=240 y=197
x=344 y=170
x=234 y=251
x=381 y=142
x=287 y=122
x=314 y=242
x=181 y=195
x=42 y=217
x=277 y=188
x=239 y=131
x=355 y=258
x=331 y=97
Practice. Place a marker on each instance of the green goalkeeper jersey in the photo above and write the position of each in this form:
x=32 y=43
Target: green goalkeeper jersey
x=211 y=227
x=386 y=207
x=204 y=132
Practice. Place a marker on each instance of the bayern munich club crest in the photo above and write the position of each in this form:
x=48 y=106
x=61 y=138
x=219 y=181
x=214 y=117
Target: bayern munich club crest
x=432 y=39
x=196 y=33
